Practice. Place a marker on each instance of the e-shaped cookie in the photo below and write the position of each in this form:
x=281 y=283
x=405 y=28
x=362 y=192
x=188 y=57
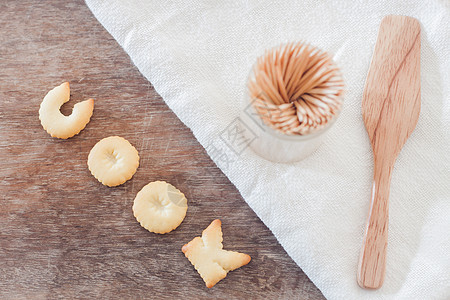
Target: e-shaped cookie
x=57 y=124
x=208 y=257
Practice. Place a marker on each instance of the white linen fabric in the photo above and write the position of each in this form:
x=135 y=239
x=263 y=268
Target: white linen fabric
x=198 y=54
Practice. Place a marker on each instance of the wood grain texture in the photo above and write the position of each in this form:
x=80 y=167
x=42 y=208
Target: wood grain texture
x=62 y=233
x=390 y=107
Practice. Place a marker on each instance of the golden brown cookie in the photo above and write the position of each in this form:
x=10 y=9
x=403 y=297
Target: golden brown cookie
x=57 y=124
x=160 y=207
x=113 y=160
x=208 y=257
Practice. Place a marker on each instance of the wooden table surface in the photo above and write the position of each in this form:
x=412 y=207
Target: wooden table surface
x=62 y=233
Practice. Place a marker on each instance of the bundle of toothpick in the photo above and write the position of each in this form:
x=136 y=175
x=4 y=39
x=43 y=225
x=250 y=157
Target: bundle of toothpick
x=296 y=88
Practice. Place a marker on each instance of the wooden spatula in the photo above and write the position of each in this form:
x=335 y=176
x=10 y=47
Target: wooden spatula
x=390 y=108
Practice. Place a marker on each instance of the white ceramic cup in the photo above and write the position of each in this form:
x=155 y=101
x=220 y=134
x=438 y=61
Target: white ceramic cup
x=274 y=145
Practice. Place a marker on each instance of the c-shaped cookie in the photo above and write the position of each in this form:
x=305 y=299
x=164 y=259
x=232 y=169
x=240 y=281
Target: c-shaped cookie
x=57 y=124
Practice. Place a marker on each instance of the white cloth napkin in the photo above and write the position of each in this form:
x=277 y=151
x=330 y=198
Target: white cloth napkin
x=197 y=55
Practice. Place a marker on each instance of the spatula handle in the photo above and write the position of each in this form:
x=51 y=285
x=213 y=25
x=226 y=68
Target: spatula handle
x=372 y=260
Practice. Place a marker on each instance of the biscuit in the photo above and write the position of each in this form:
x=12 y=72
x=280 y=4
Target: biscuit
x=160 y=207
x=113 y=160
x=209 y=259
x=57 y=124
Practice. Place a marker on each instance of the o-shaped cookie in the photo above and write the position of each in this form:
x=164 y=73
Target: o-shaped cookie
x=57 y=124
x=160 y=207
x=113 y=160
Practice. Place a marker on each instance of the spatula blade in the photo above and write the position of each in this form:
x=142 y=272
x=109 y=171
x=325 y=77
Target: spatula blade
x=391 y=99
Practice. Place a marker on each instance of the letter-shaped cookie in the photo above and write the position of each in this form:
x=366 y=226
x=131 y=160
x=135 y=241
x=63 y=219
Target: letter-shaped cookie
x=208 y=257
x=160 y=207
x=113 y=160
x=57 y=124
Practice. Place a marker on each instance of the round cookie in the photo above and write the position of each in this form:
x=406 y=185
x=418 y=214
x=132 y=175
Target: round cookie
x=160 y=207
x=113 y=160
